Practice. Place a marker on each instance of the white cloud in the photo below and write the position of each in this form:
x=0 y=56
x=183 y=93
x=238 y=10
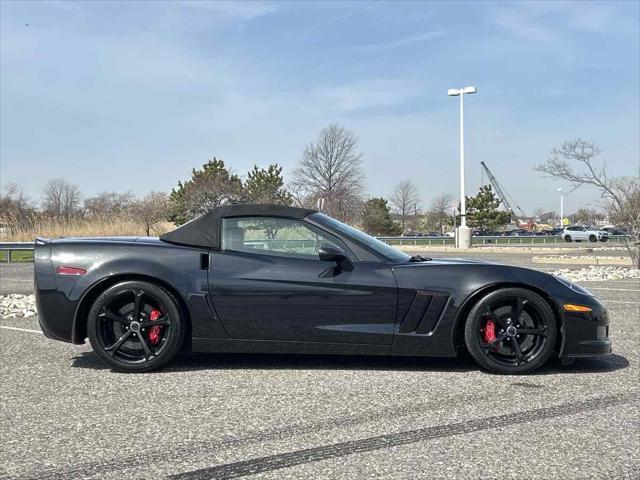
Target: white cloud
x=543 y=21
x=399 y=42
x=522 y=23
x=376 y=93
x=245 y=10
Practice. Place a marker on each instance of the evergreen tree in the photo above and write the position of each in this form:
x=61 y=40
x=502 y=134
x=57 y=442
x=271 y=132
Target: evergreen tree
x=208 y=188
x=266 y=186
x=376 y=218
x=483 y=213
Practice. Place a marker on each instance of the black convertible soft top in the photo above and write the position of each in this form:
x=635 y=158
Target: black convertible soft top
x=204 y=231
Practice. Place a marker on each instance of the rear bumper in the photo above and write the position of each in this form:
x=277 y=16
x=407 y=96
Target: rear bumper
x=55 y=312
x=55 y=320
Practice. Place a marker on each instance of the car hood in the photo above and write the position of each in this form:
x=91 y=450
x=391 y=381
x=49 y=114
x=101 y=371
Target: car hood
x=448 y=261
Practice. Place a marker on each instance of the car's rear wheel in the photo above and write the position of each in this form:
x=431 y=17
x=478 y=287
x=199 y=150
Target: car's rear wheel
x=135 y=326
x=593 y=238
x=511 y=331
x=567 y=238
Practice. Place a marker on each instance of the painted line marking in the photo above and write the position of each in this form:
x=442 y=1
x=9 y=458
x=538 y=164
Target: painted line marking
x=628 y=280
x=621 y=301
x=21 y=329
x=616 y=289
x=271 y=463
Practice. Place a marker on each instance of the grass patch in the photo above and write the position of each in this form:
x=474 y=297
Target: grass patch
x=17 y=256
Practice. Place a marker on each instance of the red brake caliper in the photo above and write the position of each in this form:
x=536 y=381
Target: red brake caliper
x=154 y=332
x=489 y=332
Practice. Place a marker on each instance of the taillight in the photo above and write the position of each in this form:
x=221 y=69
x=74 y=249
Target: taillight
x=70 y=271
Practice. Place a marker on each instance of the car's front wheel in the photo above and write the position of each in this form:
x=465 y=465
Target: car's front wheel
x=604 y=239
x=593 y=238
x=511 y=331
x=135 y=326
x=567 y=238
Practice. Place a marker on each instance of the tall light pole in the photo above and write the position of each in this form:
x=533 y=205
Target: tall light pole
x=464 y=233
x=561 y=207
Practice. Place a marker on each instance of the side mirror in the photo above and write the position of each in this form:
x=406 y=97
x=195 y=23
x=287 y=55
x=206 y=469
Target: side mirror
x=331 y=253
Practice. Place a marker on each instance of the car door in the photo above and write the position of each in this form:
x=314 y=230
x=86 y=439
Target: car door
x=268 y=283
x=581 y=233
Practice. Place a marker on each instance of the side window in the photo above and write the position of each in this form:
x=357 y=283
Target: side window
x=275 y=236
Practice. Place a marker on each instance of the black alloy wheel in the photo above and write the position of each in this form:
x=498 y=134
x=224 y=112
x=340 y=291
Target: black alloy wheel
x=593 y=238
x=511 y=331
x=135 y=326
x=567 y=238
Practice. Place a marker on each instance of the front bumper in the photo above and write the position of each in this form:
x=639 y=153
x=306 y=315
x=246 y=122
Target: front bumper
x=585 y=334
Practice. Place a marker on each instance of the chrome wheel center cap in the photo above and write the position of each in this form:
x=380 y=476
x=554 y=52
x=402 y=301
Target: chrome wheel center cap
x=512 y=331
x=134 y=326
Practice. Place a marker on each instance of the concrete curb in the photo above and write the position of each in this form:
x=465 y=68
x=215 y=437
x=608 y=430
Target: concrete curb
x=583 y=260
x=505 y=249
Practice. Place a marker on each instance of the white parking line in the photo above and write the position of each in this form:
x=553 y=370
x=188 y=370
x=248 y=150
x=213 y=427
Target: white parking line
x=621 y=301
x=632 y=280
x=21 y=329
x=616 y=289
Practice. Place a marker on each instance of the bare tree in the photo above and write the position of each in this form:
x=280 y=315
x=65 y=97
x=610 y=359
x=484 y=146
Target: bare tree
x=545 y=216
x=439 y=213
x=109 y=204
x=405 y=200
x=586 y=216
x=331 y=170
x=16 y=208
x=577 y=162
x=150 y=210
x=61 y=198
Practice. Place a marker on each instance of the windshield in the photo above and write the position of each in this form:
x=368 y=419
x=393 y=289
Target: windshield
x=361 y=237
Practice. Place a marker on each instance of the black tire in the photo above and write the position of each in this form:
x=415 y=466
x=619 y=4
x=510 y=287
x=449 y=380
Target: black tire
x=123 y=332
x=593 y=238
x=517 y=346
x=567 y=238
x=604 y=239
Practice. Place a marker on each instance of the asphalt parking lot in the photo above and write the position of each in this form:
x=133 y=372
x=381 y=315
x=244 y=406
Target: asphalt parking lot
x=64 y=415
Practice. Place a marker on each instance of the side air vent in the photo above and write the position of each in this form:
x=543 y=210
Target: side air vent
x=204 y=261
x=424 y=313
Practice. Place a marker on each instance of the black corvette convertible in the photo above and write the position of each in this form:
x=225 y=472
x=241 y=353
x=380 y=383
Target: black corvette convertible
x=262 y=278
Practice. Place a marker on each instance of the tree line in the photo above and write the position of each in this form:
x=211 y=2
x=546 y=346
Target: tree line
x=330 y=177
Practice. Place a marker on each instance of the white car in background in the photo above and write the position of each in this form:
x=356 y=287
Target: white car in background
x=579 y=233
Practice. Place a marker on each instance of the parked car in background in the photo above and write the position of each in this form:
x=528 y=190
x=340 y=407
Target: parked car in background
x=450 y=234
x=578 y=233
x=615 y=231
x=552 y=232
x=521 y=232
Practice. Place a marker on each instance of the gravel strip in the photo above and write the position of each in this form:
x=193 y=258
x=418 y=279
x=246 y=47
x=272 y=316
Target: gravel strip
x=17 y=305
x=594 y=272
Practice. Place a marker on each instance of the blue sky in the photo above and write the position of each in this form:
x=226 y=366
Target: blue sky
x=132 y=96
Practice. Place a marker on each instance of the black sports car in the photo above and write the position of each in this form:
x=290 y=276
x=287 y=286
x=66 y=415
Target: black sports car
x=263 y=278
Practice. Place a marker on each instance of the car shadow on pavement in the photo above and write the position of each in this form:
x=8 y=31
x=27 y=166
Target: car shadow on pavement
x=241 y=361
x=254 y=361
x=605 y=364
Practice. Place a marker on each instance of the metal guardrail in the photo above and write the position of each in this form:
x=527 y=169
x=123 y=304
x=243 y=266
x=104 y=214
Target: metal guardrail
x=10 y=247
x=489 y=240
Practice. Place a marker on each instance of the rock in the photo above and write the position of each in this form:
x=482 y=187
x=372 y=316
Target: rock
x=594 y=272
x=17 y=306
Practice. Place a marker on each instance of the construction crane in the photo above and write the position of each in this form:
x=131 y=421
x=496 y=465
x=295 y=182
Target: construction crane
x=506 y=199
